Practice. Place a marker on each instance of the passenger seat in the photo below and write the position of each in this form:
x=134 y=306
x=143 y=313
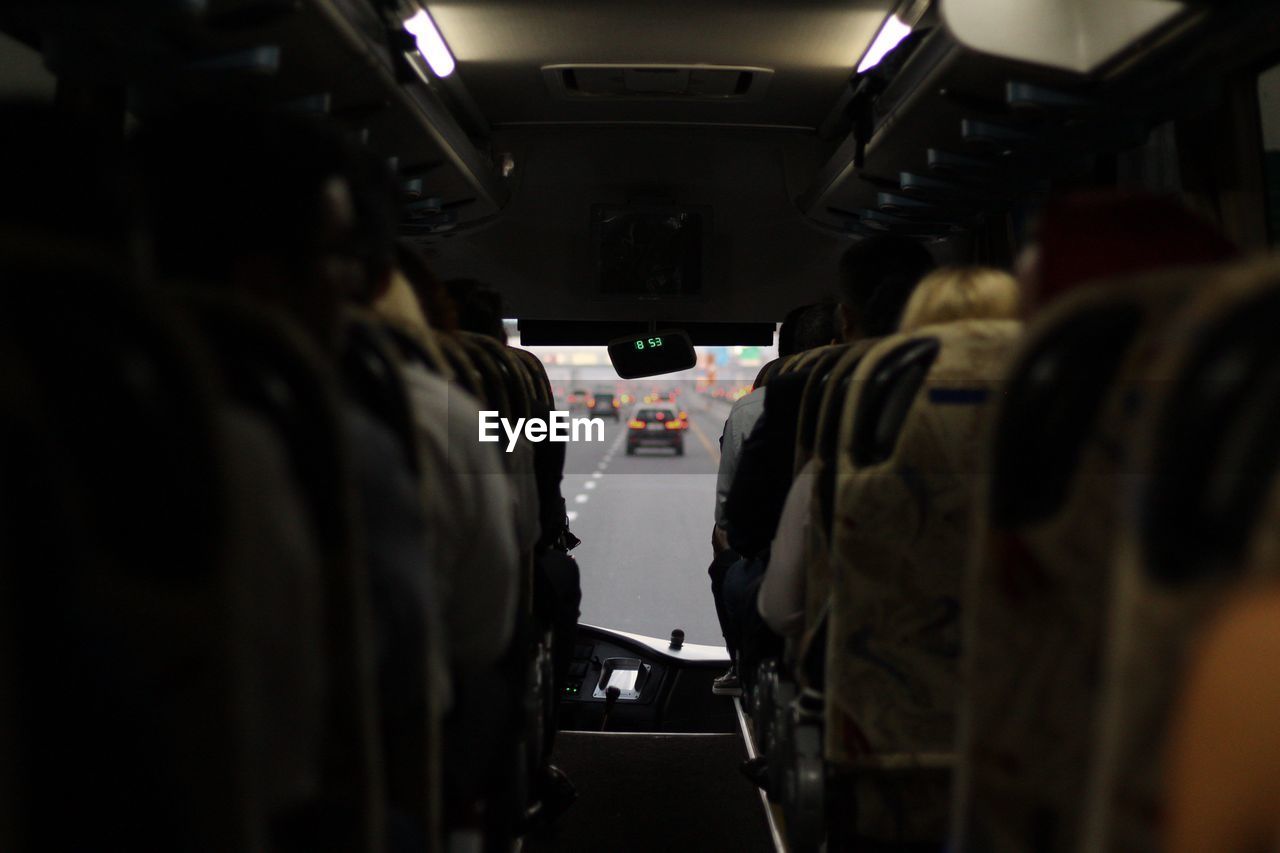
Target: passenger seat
x=1197 y=527
x=911 y=439
x=1038 y=589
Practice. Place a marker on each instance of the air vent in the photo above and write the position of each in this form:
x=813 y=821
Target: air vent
x=657 y=82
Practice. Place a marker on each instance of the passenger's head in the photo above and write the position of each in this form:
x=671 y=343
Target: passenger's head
x=787 y=331
x=961 y=293
x=877 y=275
x=263 y=205
x=432 y=295
x=1100 y=234
x=816 y=326
x=479 y=308
x=375 y=196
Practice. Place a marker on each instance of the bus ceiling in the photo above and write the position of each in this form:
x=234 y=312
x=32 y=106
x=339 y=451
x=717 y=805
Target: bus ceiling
x=533 y=140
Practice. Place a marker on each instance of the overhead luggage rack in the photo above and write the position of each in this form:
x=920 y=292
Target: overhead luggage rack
x=345 y=59
x=965 y=134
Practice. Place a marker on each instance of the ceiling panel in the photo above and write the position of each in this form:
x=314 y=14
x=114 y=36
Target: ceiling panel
x=501 y=46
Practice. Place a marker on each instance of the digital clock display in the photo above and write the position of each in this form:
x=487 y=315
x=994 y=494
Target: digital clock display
x=652 y=353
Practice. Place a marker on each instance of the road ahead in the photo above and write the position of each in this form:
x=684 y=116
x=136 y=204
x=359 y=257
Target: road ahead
x=645 y=523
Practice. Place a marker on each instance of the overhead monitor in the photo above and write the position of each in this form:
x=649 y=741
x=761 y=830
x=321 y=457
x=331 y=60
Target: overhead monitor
x=650 y=251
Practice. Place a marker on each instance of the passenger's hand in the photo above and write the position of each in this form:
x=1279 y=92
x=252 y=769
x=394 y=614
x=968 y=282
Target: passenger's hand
x=719 y=541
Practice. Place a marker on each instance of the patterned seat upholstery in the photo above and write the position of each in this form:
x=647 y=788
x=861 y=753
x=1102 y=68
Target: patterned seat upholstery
x=1206 y=459
x=911 y=438
x=1036 y=593
x=822 y=471
x=811 y=402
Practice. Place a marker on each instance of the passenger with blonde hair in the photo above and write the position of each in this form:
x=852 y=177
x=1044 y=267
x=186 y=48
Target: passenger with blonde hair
x=944 y=295
x=962 y=293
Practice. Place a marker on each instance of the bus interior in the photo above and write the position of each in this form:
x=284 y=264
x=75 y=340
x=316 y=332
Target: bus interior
x=267 y=264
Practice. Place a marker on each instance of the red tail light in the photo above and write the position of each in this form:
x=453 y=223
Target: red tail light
x=674 y=425
x=635 y=424
x=615 y=404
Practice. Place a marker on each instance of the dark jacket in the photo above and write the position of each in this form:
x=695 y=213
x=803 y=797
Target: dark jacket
x=764 y=472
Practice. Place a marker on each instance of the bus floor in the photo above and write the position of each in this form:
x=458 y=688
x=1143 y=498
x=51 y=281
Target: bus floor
x=646 y=792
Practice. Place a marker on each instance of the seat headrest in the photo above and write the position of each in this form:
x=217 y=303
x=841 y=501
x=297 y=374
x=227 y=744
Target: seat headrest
x=1052 y=400
x=837 y=388
x=886 y=399
x=464 y=369
x=814 y=391
x=493 y=384
x=1216 y=455
x=272 y=367
x=372 y=376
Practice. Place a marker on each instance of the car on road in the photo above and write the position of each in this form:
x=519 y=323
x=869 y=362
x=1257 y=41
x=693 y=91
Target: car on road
x=604 y=404
x=656 y=426
x=578 y=400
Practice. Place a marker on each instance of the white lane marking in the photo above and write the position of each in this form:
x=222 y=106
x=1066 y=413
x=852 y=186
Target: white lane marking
x=580 y=498
x=572 y=515
x=590 y=484
x=596 y=475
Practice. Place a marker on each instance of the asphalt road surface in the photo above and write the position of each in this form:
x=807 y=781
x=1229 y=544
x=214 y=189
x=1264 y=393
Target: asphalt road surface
x=645 y=523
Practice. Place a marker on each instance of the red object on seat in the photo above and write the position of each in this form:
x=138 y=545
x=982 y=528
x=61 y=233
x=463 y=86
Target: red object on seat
x=1093 y=235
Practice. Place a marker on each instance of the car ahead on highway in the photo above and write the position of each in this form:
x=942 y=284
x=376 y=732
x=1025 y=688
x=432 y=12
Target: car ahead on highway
x=656 y=426
x=604 y=405
x=578 y=400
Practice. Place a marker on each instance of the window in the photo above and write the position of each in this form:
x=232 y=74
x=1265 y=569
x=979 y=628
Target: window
x=643 y=510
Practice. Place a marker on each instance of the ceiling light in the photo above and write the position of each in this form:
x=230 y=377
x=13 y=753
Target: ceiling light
x=892 y=31
x=430 y=43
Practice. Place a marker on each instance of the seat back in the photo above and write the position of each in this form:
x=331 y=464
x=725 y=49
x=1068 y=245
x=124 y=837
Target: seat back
x=1206 y=463
x=125 y=697
x=541 y=382
x=271 y=369
x=371 y=376
x=811 y=402
x=823 y=470
x=805 y=359
x=911 y=437
x=491 y=373
x=767 y=371
x=515 y=386
x=401 y=311
x=1035 y=596
x=464 y=370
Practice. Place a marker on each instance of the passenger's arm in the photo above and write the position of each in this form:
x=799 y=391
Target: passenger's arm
x=782 y=592
x=742 y=418
x=728 y=466
x=1223 y=772
x=745 y=520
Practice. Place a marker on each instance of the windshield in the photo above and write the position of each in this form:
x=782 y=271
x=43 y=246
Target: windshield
x=643 y=509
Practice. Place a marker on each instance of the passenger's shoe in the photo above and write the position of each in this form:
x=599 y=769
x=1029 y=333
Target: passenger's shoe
x=555 y=794
x=728 y=684
x=757 y=770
